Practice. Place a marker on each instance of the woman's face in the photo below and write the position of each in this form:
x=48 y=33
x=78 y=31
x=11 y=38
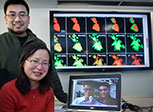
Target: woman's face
x=36 y=66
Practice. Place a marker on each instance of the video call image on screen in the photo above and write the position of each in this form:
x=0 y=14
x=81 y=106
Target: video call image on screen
x=100 y=88
x=81 y=40
x=101 y=92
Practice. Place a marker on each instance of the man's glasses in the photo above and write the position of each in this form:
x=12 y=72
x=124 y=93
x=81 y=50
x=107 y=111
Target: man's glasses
x=36 y=63
x=87 y=89
x=14 y=15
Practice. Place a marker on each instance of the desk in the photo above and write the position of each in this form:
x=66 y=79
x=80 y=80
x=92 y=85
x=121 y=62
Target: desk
x=142 y=101
x=145 y=102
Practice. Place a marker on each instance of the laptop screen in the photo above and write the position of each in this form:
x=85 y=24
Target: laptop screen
x=95 y=92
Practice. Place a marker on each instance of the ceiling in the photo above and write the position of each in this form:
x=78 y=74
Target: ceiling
x=36 y=3
x=146 y=3
x=55 y=3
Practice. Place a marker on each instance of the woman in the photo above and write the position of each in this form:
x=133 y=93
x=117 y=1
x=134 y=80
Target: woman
x=30 y=91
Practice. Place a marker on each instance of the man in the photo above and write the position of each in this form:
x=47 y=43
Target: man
x=3 y=77
x=88 y=98
x=18 y=36
x=104 y=91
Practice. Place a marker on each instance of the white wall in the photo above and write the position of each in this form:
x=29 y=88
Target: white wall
x=133 y=82
x=39 y=24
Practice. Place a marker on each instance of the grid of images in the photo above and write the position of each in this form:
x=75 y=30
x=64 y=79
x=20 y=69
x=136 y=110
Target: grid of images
x=96 y=40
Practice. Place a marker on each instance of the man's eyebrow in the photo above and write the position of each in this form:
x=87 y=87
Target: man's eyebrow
x=15 y=12
x=12 y=12
x=22 y=12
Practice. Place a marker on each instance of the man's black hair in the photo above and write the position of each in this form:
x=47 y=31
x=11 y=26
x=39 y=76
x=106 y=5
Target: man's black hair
x=104 y=84
x=15 y=2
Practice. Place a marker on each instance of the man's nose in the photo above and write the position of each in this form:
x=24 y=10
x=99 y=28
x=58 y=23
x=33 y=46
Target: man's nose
x=17 y=18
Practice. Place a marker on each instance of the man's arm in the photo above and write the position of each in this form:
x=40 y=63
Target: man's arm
x=56 y=85
x=4 y=77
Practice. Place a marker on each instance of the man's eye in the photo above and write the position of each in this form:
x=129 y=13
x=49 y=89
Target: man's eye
x=22 y=15
x=12 y=15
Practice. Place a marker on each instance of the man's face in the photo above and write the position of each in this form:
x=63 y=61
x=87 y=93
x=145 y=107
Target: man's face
x=104 y=91
x=88 y=91
x=17 y=19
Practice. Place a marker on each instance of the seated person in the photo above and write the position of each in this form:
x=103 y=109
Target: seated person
x=88 y=98
x=104 y=91
x=30 y=91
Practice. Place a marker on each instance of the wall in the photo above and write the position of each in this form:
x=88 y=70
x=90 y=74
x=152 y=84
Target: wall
x=137 y=83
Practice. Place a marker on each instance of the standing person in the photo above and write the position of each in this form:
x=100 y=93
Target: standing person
x=88 y=98
x=30 y=91
x=18 y=36
x=3 y=77
x=104 y=91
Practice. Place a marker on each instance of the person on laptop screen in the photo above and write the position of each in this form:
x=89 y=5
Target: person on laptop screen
x=104 y=91
x=87 y=98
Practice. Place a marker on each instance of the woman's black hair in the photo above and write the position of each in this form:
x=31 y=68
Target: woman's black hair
x=16 y=2
x=22 y=82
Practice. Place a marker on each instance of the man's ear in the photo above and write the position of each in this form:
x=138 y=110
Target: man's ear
x=5 y=18
x=29 y=19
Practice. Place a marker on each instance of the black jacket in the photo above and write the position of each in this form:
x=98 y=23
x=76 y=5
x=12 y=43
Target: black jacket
x=10 y=49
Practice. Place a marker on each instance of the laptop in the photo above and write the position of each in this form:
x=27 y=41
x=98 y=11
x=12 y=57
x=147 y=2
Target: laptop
x=94 y=92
